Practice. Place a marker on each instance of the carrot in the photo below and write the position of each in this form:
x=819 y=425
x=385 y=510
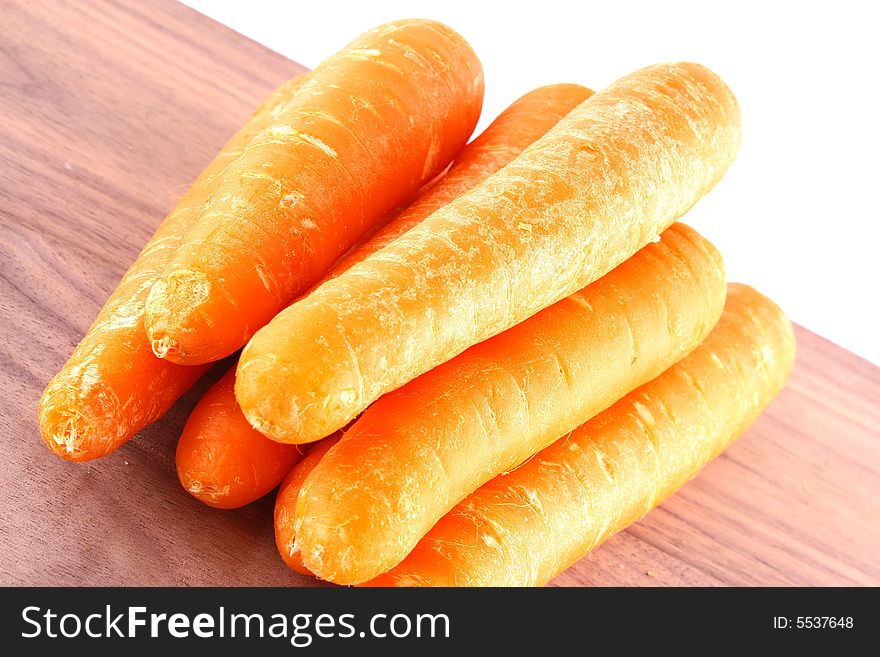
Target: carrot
x=527 y=119
x=112 y=385
x=524 y=528
x=286 y=500
x=418 y=451
x=221 y=460
x=370 y=126
x=217 y=425
x=603 y=182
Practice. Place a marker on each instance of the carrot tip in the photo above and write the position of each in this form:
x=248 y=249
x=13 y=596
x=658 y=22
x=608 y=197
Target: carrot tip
x=295 y=545
x=165 y=323
x=67 y=437
x=206 y=493
x=67 y=443
x=162 y=347
x=270 y=429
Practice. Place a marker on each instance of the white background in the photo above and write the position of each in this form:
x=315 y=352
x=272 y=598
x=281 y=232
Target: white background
x=797 y=214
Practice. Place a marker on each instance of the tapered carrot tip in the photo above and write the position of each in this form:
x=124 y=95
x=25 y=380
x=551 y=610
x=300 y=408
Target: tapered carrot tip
x=64 y=431
x=191 y=286
x=328 y=398
x=97 y=402
x=345 y=568
x=163 y=346
x=221 y=460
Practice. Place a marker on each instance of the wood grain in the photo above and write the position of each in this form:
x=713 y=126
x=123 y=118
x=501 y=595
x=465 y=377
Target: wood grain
x=108 y=111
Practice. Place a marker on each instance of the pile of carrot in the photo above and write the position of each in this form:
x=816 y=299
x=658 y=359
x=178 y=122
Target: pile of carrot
x=464 y=363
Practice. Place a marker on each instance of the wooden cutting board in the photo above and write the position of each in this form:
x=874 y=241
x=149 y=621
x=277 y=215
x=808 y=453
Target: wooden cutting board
x=107 y=112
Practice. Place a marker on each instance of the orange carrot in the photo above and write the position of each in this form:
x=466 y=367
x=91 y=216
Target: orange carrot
x=607 y=179
x=527 y=119
x=224 y=462
x=370 y=126
x=112 y=386
x=286 y=500
x=524 y=528
x=523 y=122
x=420 y=450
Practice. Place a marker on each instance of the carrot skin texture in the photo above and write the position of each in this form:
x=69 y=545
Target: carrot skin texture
x=204 y=477
x=525 y=120
x=421 y=449
x=526 y=527
x=370 y=126
x=602 y=183
x=223 y=461
x=112 y=385
x=285 y=536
